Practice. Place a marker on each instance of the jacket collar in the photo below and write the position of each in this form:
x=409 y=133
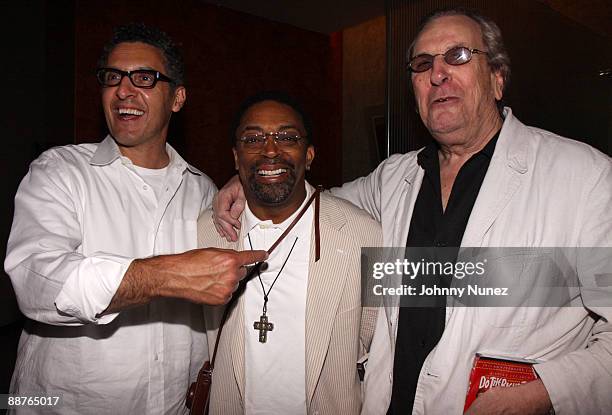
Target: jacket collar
x=505 y=175
x=510 y=162
x=513 y=144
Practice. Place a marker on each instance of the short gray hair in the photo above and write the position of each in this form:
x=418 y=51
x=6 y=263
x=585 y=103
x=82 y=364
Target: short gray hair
x=497 y=56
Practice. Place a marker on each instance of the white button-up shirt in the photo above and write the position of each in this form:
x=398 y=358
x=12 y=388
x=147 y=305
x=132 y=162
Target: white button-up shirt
x=281 y=360
x=82 y=214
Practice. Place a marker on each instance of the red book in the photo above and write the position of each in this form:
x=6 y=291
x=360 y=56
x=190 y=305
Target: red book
x=497 y=371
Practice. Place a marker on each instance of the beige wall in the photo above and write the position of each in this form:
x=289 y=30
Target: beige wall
x=363 y=94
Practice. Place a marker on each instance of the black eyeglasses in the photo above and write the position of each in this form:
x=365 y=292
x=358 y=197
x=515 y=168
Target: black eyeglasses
x=458 y=55
x=140 y=78
x=255 y=142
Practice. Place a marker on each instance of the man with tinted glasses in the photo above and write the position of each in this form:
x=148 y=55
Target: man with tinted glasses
x=115 y=326
x=487 y=181
x=290 y=344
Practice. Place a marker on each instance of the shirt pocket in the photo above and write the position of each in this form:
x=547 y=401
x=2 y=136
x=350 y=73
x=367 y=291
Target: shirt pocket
x=176 y=235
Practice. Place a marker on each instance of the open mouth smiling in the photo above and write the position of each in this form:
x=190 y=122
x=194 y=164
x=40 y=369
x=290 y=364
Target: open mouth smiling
x=271 y=173
x=442 y=100
x=128 y=113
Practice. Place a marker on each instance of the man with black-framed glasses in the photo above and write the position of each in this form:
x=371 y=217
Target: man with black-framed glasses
x=97 y=250
x=487 y=180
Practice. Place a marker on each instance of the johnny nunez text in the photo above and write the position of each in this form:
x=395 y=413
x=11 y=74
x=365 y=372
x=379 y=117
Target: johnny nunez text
x=410 y=290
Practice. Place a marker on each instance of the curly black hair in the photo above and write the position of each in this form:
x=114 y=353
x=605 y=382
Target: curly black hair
x=139 y=32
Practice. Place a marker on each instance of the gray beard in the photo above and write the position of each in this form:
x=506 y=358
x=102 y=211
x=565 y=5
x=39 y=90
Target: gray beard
x=272 y=194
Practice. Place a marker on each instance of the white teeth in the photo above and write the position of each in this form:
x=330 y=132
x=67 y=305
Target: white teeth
x=271 y=172
x=129 y=111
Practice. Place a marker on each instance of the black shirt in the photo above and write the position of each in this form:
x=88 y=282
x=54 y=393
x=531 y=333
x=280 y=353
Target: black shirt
x=420 y=329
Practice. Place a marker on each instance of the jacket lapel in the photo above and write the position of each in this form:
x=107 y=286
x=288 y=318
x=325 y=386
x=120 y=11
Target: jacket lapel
x=504 y=177
x=410 y=191
x=236 y=326
x=326 y=280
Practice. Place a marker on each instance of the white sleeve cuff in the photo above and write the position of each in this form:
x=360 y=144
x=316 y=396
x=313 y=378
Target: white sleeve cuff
x=90 y=288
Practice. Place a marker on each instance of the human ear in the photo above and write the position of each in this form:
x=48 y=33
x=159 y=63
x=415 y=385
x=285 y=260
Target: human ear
x=310 y=154
x=180 y=95
x=235 y=158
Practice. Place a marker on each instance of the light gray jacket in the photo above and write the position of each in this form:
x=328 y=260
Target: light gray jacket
x=540 y=190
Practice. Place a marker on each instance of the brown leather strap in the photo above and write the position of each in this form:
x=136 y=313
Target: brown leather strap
x=314 y=196
x=316 y=224
x=198 y=394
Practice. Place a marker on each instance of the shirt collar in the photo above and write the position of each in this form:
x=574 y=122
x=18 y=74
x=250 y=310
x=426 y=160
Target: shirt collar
x=427 y=158
x=489 y=149
x=108 y=151
x=429 y=154
x=250 y=221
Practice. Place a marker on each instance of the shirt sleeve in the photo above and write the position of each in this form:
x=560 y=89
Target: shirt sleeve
x=580 y=382
x=364 y=192
x=209 y=191
x=53 y=281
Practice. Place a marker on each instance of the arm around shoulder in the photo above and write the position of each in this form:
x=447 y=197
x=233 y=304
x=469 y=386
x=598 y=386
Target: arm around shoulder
x=367 y=192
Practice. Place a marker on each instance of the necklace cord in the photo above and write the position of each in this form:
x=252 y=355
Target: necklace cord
x=266 y=294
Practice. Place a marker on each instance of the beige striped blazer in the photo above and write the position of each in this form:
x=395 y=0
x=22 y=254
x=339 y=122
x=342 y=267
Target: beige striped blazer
x=333 y=316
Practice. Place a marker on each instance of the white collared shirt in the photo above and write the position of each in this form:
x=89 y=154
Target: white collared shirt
x=82 y=214
x=281 y=359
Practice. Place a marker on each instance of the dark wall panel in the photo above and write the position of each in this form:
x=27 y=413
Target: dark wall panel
x=37 y=114
x=229 y=55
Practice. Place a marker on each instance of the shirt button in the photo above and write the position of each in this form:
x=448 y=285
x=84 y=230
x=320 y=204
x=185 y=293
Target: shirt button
x=145 y=187
x=156 y=356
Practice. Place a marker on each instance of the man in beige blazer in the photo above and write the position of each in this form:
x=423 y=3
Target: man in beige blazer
x=308 y=366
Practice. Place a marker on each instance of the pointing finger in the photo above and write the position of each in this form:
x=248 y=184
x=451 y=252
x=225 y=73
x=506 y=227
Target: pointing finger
x=251 y=257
